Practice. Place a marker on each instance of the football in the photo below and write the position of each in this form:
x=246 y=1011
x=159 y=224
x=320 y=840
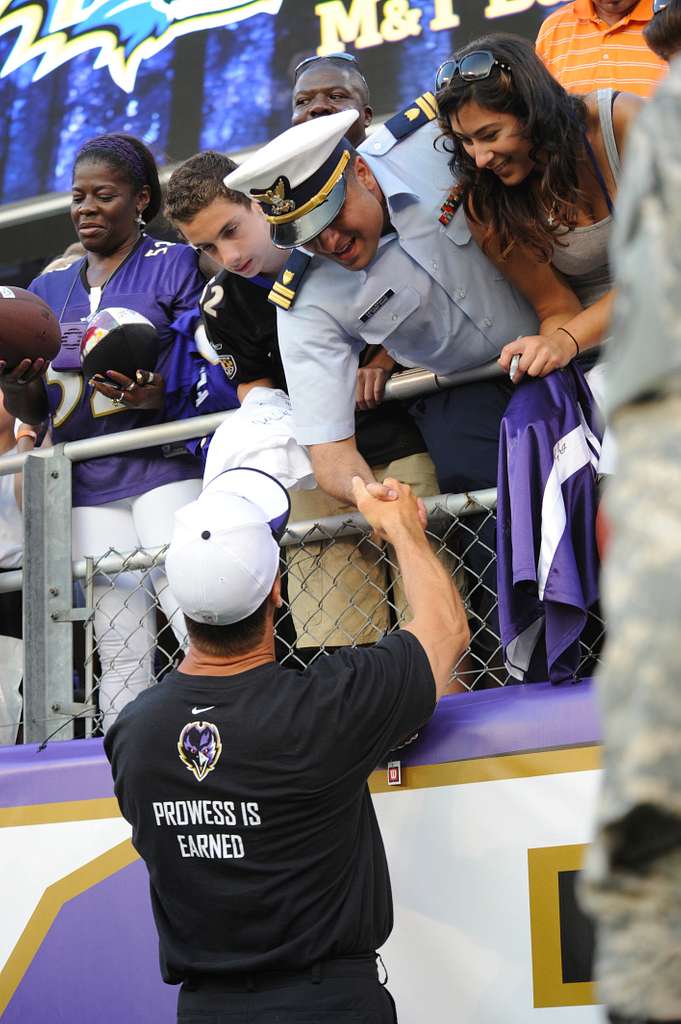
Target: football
x=28 y=327
x=121 y=340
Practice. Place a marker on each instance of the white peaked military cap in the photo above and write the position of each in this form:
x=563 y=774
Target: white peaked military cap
x=299 y=177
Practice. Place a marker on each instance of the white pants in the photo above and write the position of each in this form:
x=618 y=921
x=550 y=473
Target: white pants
x=125 y=603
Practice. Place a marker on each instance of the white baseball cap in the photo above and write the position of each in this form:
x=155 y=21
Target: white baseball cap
x=299 y=177
x=224 y=553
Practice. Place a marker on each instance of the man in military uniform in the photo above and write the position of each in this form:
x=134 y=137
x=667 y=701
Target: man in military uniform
x=388 y=273
x=633 y=874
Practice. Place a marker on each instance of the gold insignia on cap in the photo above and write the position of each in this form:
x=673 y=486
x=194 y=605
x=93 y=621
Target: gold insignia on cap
x=287 y=276
x=281 y=216
x=276 y=198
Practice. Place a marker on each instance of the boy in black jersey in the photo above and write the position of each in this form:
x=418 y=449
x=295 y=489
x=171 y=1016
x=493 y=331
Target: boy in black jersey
x=246 y=782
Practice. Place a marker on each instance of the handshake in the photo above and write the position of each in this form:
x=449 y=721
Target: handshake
x=391 y=509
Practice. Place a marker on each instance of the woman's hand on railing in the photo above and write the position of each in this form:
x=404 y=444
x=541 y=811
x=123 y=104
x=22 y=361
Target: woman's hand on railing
x=146 y=392
x=539 y=355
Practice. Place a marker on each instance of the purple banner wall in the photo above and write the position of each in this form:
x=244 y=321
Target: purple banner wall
x=98 y=958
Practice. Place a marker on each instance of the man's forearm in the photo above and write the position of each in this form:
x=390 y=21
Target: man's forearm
x=335 y=464
x=439 y=622
x=437 y=608
x=428 y=586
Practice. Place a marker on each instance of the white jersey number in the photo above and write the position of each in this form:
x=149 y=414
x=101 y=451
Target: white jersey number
x=71 y=385
x=217 y=294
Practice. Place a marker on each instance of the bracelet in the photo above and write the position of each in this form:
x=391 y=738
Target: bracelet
x=565 y=331
x=27 y=433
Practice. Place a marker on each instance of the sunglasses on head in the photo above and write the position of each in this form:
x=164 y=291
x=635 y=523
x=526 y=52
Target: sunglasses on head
x=347 y=57
x=475 y=66
x=659 y=6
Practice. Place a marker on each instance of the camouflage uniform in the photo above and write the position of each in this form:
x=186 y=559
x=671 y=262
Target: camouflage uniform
x=632 y=881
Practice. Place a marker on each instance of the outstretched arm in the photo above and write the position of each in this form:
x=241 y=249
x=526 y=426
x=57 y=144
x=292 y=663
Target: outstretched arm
x=439 y=621
x=336 y=463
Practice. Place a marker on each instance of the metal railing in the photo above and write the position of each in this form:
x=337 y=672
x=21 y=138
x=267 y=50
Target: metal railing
x=340 y=585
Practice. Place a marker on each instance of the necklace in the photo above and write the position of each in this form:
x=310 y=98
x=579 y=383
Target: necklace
x=552 y=215
x=97 y=290
x=118 y=264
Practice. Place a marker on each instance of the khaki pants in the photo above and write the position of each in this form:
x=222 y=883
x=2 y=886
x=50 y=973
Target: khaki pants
x=341 y=591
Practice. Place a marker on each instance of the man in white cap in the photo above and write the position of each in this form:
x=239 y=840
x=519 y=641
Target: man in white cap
x=246 y=782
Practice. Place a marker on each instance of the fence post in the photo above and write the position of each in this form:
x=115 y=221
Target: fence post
x=47 y=595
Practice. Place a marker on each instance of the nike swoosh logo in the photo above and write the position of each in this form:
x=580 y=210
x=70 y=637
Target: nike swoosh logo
x=197 y=711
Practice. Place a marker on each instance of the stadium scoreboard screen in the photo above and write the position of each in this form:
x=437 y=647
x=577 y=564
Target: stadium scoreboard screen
x=185 y=75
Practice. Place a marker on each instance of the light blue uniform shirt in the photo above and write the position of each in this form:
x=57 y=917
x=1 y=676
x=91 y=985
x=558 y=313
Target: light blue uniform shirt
x=450 y=308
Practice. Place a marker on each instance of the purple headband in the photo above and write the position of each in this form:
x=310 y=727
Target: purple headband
x=121 y=150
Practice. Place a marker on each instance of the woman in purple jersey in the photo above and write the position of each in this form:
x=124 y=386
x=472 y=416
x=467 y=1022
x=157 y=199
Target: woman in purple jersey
x=126 y=501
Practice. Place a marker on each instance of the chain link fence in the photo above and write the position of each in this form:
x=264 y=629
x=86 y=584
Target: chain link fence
x=341 y=588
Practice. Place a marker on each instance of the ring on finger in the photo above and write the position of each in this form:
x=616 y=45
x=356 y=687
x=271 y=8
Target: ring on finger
x=130 y=386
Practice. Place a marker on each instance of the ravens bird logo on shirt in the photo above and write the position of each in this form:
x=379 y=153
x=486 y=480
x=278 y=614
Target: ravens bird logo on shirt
x=199 y=747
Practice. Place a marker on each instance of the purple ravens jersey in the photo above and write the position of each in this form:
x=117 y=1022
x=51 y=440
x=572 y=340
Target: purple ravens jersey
x=160 y=280
x=547 y=560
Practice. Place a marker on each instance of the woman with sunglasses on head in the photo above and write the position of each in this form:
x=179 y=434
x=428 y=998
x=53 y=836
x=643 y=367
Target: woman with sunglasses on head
x=537 y=172
x=127 y=500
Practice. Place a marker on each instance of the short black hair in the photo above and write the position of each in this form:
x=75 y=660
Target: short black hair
x=197 y=182
x=663 y=31
x=132 y=158
x=227 y=641
x=337 y=62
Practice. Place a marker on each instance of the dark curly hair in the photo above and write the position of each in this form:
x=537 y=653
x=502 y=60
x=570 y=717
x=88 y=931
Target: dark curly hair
x=132 y=158
x=553 y=120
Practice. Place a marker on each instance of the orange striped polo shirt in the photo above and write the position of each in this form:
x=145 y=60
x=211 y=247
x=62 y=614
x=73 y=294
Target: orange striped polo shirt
x=584 y=53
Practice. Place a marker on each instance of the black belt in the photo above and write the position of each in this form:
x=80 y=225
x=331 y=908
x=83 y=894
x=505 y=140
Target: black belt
x=263 y=981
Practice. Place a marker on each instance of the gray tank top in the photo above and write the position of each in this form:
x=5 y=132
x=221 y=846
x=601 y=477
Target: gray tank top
x=583 y=256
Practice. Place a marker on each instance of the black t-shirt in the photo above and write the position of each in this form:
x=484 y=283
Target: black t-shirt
x=257 y=826
x=241 y=323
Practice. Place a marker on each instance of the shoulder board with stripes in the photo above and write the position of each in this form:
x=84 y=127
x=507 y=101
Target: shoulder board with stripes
x=283 y=293
x=418 y=113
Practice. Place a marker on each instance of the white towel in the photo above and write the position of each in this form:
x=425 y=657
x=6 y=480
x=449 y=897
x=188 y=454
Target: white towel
x=260 y=435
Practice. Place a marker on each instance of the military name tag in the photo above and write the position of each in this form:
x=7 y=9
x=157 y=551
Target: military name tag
x=378 y=304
